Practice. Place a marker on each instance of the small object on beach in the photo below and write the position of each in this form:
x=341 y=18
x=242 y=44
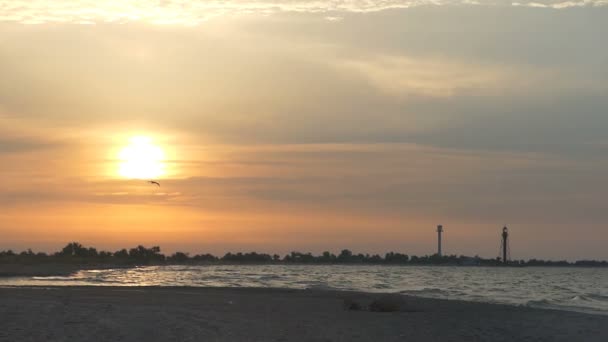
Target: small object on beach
x=154 y=183
x=386 y=304
x=351 y=305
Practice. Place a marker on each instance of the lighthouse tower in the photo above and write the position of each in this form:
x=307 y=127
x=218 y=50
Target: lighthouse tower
x=439 y=231
x=505 y=245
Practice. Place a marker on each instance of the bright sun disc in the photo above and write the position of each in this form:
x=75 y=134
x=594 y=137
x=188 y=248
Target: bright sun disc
x=141 y=159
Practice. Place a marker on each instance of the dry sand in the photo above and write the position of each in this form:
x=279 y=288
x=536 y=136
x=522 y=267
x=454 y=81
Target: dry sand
x=222 y=314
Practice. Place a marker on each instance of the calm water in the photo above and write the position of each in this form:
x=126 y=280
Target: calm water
x=576 y=289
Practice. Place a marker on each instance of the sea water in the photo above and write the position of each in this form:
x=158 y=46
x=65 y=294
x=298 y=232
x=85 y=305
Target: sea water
x=565 y=288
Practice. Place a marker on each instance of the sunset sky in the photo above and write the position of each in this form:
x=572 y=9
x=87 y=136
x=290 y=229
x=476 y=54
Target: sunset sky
x=277 y=125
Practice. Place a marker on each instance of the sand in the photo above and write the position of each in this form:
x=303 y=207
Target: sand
x=51 y=269
x=37 y=270
x=224 y=314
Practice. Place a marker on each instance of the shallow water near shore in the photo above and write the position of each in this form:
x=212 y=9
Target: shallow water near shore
x=563 y=288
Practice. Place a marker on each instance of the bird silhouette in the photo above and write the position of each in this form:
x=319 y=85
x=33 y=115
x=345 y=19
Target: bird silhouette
x=154 y=182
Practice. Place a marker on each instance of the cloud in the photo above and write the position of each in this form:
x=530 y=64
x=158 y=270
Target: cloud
x=181 y=12
x=374 y=125
x=401 y=76
x=481 y=78
x=16 y=138
x=368 y=192
x=397 y=180
x=15 y=145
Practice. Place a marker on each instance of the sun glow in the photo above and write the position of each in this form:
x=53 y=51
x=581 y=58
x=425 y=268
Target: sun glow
x=141 y=159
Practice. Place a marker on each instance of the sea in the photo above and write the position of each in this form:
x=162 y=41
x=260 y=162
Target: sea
x=563 y=288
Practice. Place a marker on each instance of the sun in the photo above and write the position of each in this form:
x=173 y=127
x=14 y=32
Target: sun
x=141 y=159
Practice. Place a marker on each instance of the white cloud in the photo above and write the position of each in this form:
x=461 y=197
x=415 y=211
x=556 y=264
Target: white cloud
x=182 y=12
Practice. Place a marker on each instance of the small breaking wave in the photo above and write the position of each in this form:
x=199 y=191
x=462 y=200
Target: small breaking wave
x=51 y=278
x=579 y=303
x=580 y=290
x=433 y=291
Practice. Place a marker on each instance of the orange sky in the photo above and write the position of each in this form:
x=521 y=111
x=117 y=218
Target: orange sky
x=361 y=128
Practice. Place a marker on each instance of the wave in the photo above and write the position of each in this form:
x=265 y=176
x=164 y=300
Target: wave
x=581 y=304
x=599 y=297
x=425 y=291
x=59 y=278
x=270 y=277
x=590 y=298
x=580 y=291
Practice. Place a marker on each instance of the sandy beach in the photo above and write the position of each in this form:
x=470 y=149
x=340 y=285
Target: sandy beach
x=38 y=270
x=239 y=314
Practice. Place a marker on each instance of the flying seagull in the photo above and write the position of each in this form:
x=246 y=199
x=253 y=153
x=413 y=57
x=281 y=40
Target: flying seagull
x=154 y=182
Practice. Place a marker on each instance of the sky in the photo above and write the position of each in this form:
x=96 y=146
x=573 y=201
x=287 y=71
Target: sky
x=306 y=125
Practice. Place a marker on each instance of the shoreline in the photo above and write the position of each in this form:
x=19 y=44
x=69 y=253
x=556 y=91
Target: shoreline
x=589 y=301
x=402 y=294
x=65 y=269
x=268 y=314
x=51 y=269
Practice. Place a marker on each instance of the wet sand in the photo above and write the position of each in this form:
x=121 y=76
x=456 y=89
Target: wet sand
x=238 y=314
x=37 y=270
x=51 y=269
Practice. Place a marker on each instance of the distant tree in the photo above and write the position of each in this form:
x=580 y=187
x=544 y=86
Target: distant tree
x=26 y=253
x=143 y=255
x=140 y=255
x=251 y=257
x=179 y=257
x=91 y=252
x=327 y=257
x=105 y=254
x=376 y=259
x=345 y=256
x=121 y=254
x=74 y=249
x=205 y=258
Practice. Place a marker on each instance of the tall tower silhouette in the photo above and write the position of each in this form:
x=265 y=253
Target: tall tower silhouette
x=504 y=246
x=439 y=231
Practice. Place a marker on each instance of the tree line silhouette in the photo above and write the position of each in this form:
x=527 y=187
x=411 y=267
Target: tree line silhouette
x=75 y=253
